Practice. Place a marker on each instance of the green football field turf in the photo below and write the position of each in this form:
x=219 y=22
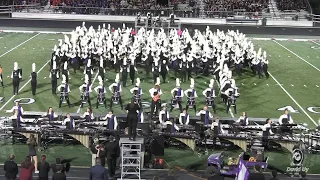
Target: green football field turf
x=294 y=68
x=295 y=82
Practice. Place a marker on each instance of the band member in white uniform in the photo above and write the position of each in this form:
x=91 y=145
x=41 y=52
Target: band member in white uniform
x=177 y=95
x=164 y=119
x=205 y=115
x=101 y=91
x=184 y=118
x=64 y=90
x=115 y=89
x=243 y=120
x=285 y=118
x=112 y=121
x=137 y=92
x=155 y=94
x=266 y=131
x=69 y=122
x=88 y=115
x=191 y=94
x=17 y=111
x=50 y=114
x=85 y=89
x=210 y=94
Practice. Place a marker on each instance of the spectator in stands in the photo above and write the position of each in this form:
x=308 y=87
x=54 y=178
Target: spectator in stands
x=303 y=176
x=43 y=168
x=11 y=168
x=56 y=165
x=98 y=172
x=59 y=174
x=32 y=144
x=171 y=175
x=274 y=175
x=101 y=153
x=256 y=175
x=27 y=169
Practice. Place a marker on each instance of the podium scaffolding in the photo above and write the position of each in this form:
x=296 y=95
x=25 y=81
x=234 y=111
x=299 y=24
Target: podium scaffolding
x=131 y=158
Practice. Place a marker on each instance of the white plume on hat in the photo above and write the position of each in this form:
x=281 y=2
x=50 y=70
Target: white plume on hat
x=101 y=61
x=100 y=80
x=15 y=66
x=211 y=83
x=55 y=48
x=158 y=81
x=33 y=67
x=229 y=74
x=63 y=79
x=54 y=65
x=177 y=82
x=86 y=78
x=65 y=65
x=89 y=63
x=265 y=54
x=117 y=80
x=191 y=83
x=138 y=82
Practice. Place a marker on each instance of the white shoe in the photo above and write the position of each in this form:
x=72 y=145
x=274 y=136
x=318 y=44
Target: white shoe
x=36 y=172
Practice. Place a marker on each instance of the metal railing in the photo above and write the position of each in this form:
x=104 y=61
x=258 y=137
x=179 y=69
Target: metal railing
x=309 y=6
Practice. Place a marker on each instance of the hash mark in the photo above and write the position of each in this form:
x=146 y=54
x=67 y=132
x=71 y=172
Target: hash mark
x=318 y=57
x=267 y=84
x=33 y=48
x=288 y=56
x=308 y=57
x=304 y=85
x=255 y=84
x=5 y=47
x=23 y=48
x=1 y=37
x=317 y=86
x=242 y=84
x=292 y=85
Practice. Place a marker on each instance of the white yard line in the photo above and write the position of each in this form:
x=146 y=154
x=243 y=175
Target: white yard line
x=297 y=55
x=293 y=99
x=95 y=77
x=315 y=43
x=24 y=86
x=20 y=44
x=231 y=113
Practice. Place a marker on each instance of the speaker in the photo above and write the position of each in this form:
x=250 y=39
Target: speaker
x=157 y=146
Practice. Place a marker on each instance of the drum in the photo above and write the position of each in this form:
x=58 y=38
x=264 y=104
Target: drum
x=191 y=102
x=115 y=99
x=210 y=102
x=101 y=98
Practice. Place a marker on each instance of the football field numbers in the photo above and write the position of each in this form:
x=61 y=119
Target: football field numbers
x=291 y=109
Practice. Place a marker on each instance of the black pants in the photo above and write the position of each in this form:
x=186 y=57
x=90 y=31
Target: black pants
x=179 y=104
x=103 y=161
x=234 y=107
x=265 y=71
x=154 y=105
x=64 y=98
x=238 y=69
x=112 y=166
x=164 y=75
x=120 y=102
x=155 y=76
x=132 y=75
x=54 y=86
x=212 y=104
x=104 y=102
x=16 y=82
x=189 y=73
x=1 y=80
x=132 y=122
x=33 y=87
x=88 y=100
x=124 y=78
x=194 y=107
x=183 y=75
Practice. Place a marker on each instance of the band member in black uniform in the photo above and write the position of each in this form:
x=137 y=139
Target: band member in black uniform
x=65 y=71
x=265 y=63
x=164 y=70
x=34 y=79
x=88 y=115
x=210 y=94
x=155 y=71
x=137 y=93
x=232 y=94
x=191 y=94
x=1 y=78
x=16 y=76
x=64 y=90
x=132 y=118
x=85 y=89
x=115 y=89
x=54 y=75
x=155 y=94
x=132 y=68
x=183 y=69
x=177 y=94
x=124 y=69
x=101 y=91
x=88 y=71
x=102 y=71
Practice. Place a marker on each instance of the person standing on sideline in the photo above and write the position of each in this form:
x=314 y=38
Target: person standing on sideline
x=1 y=78
x=15 y=76
x=132 y=118
x=113 y=151
x=59 y=174
x=34 y=76
x=11 y=168
x=98 y=172
x=32 y=144
x=26 y=169
x=44 y=168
